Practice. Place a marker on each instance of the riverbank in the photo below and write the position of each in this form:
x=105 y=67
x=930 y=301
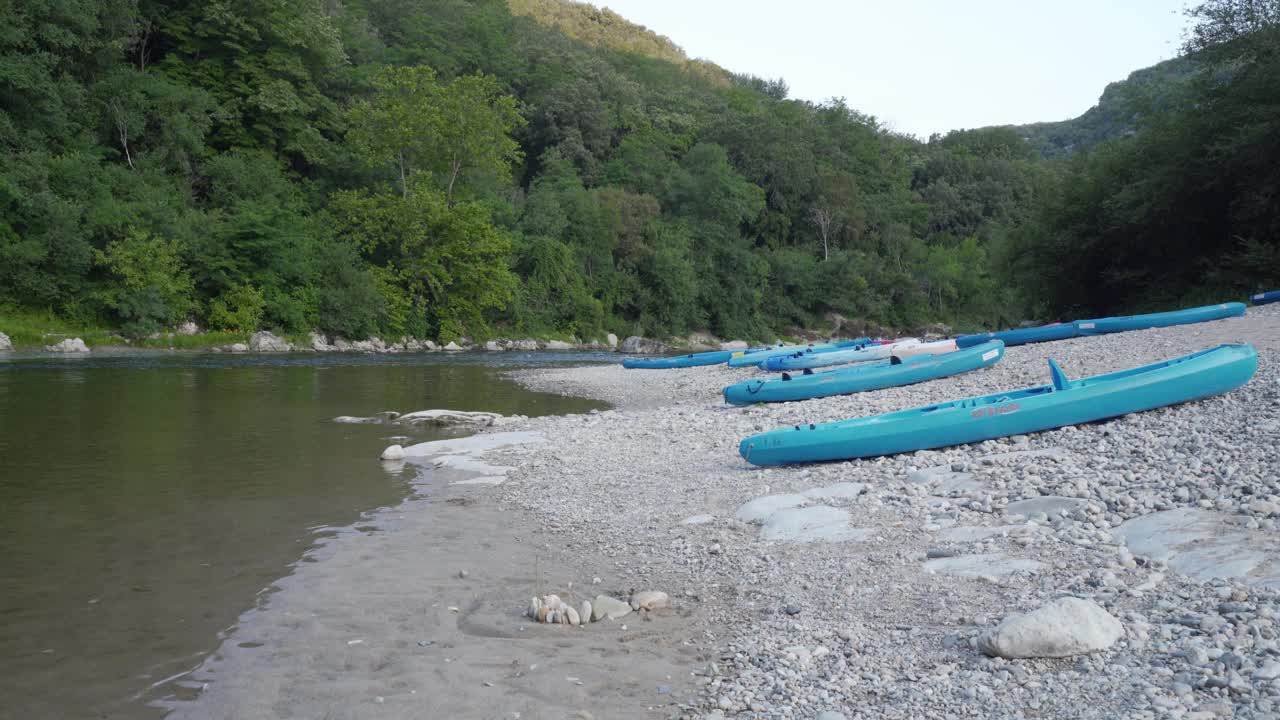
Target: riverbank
x=855 y=588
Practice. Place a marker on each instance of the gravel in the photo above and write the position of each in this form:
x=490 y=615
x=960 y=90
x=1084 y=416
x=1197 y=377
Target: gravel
x=856 y=624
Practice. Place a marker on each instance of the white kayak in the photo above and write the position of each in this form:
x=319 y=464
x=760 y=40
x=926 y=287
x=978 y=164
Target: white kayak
x=840 y=357
x=931 y=348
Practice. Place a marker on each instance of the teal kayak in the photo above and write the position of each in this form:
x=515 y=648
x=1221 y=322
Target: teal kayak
x=715 y=357
x=869 y=376
x=1063 y=402
x=1102 y=326
x=847 y=356
x=1022 y=336
x=743 y=359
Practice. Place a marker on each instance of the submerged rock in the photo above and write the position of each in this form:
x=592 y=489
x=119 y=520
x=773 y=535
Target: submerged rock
x=70 y=345
x=449 y=417
x=1065 y=627
x=393 y=452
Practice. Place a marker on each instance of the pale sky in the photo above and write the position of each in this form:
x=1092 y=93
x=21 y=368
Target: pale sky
x=924 y=66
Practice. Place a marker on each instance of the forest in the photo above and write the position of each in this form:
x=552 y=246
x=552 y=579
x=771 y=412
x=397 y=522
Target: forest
x=476 y=168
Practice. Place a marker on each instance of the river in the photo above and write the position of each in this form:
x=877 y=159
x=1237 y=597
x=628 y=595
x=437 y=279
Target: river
x=146 y=499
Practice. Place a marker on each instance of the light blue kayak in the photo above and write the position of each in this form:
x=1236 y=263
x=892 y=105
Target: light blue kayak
x=1266 y=297
x=1022 y=336
x=846 y=356
x=758 y=358
x=870 y=376
x=1064 y=402
x=1102 y=326
x=715 y=357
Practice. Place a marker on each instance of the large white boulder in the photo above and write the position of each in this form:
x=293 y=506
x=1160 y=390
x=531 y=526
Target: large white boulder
x=559 y=345
x=320 y=343
x=5 y=343
x=69 y=345
x=453 y=347
x=265 y=341
x=612 y=340
x=1065 y=627
x=642 y=346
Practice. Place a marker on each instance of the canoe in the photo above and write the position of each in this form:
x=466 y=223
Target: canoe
x=1102 y=326
x=758 y=358
x=714 y=357
x=871 y=376
x=1022 y=336
x=1266 y=297
x=679 y=361
x=1063 y=402
x=803 y=361
x=938 y=347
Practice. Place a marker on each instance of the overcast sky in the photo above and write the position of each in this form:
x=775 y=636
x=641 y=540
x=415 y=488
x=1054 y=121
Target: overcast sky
x=924 y=66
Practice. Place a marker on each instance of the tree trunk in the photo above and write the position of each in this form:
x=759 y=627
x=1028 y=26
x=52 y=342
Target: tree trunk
x=404 y=185
x=454 y=166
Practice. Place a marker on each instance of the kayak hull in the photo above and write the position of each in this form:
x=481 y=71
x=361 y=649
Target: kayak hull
x=679 y=361
x=938 y=347
x=1102 y=326
x=1065 y=402
x=1265 y=298
x=805 y=361
x=874 y=376
x=759 y=358
x=1022 y=336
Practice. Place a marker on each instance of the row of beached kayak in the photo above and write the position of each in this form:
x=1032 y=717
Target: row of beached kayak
x=862 y=365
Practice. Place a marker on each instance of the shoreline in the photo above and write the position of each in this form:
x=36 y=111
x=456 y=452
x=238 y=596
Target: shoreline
x=873 y=612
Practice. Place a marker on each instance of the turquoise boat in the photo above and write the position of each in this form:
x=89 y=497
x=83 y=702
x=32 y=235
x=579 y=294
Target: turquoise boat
x=845 y=356
x=869 y=376
x=1266 y=298
x=743 y=359
x=679 y=361
x=1063 y=402
x=1022 y=336
x=1102 y=326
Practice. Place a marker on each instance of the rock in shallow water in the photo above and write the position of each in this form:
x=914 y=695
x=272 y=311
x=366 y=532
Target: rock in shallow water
x=1065 y=627
x=394 y=452
x=70 y=345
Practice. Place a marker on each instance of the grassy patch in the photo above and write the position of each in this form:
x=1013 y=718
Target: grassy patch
x=32 y=330
x=199 y=341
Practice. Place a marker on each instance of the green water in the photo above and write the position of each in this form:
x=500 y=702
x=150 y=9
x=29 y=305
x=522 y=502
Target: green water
x=145 y=500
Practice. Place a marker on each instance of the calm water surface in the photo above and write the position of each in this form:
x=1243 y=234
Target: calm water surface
x=146 y=499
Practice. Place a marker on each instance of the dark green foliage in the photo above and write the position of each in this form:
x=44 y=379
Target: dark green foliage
x=451 y=168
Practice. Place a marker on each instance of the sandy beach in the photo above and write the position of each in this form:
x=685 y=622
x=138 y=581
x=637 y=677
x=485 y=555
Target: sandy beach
x=855 y=589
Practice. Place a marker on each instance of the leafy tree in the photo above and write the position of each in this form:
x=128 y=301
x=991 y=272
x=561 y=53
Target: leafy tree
x=148 y=286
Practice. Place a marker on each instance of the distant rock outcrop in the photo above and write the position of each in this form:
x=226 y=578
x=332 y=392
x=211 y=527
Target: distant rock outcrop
x=265 y=341
x=69 y=345
x=642 y=346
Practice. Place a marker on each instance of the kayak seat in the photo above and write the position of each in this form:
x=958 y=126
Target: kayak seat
x=1060 y=381
x=808 y=371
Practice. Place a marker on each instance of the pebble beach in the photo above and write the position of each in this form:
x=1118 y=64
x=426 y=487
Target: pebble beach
x=1123 y=569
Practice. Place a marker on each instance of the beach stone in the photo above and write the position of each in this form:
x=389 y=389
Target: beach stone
x=5 y=343
x=761 y=508
x=606 y=607
x=612 y=340
x=265 y=341
x=572 y=615
x=812 y=524
x=1270 y=670
x=831 y=715
x=69 y=345
x=697 y=519
x=836 y=491
x=393 y=452
x=985 y=565
x=584 y=611
x=1049 y=505
x=238 y=348
x=452 y=347
x=650 y=600
x=552 y=602
x=534 y=605
x=1065 y=627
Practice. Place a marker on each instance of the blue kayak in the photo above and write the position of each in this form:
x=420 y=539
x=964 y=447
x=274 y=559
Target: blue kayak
x=1022 y=336
x=837 y=356
x=742 y=359
x=870 y=376
x=1101 y=326
x=1266 y=297
x=1063 y=402
x=679 y=361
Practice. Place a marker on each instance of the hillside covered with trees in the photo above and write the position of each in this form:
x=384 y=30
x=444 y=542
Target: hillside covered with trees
x=447 y=168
